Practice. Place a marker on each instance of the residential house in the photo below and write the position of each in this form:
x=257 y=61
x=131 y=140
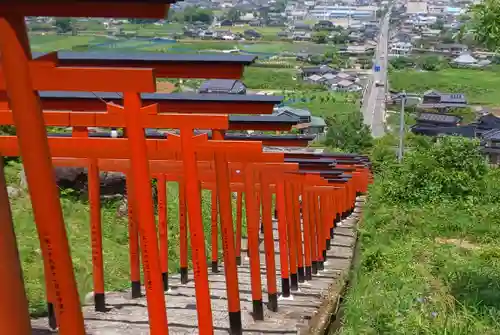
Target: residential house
x=256 y=23
x=302 y=56
x=400 y=49
x=490 y=142
x=317 y=127
x=252 y=34
x=319 y=70
x=222 y=86
x=301 y=36
x=438 y=120
x=226 y=23
x=315 y=79
x=345 y=85
x=442 y=101
x=324 y=25
x=225 y=35
x=455 y=49
x=359 y=49
x=207 y=34
x=465 y=60
x=301 y=26
x=303 y=115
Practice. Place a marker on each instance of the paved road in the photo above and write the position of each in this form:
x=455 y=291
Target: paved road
x=374 y=98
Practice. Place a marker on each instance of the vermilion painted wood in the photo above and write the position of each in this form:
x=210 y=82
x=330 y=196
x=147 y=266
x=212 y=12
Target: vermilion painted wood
x=290 y=226
x=215 y=231
x=167 y=106
x=46 y=76
x=183 y=233
x=94 y=194
x=161 y=185
x=266 y=201
x=162 y=149
x=14 y=47
x=226 y=220
x=147 y=227
x=282 y=232
x=162 y=69
x=204 y=308
x=133 y=236
x=239 y=225
x=252 y=215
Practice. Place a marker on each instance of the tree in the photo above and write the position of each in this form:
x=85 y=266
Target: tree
x=439 y=25
x=233 y=14
x=430 y=63
x=485 y=23
x=63 y=25
x=400 y=63
x=319 y=38
x=194 y=14
x=347 y=132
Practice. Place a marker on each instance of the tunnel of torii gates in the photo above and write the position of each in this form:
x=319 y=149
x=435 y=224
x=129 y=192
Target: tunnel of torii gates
x=39 y=92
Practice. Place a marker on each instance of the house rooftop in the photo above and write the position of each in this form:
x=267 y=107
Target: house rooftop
x=163 y=96
x=439 y=118
x=317 y=121
x=69 y=57
x=491 y=135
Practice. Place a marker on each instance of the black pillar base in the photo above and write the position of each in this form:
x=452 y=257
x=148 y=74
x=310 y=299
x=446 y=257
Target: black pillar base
x=235 y=326
x=238 y=260
x=136 y=289
x=332 y=234
x=215 y=267
x=164 y=276
x=273 y=302
x=294 y=282
x=52 y=316
x=184 y=275
x=258 y=310
x=285 y=287
x=328 y=244
x=301 y=274
x=321 y=265
x=99 y=302
x=308 y=273
x=324 y=256
x=314 y=267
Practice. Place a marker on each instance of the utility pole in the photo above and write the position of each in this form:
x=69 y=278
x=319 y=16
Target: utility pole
x=401 y=126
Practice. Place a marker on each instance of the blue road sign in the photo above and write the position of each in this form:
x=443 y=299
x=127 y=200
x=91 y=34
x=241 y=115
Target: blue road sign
x=377 y=68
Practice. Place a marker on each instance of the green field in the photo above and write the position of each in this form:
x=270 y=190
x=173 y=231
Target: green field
x=66 y=42
x=264 y=31
x=481 y=87
x=44 y=43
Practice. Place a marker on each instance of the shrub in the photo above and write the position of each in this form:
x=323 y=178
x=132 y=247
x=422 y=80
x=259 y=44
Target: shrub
x=451 y=168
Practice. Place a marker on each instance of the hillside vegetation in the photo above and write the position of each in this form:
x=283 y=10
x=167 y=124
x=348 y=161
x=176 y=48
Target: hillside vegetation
x=430 y=261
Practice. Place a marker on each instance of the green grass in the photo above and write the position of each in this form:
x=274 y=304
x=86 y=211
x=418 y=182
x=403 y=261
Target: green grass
x=411 y=282
x=326 y=104
x=278 y=79
x=481 y=87
x=115 y=241
x=430 y=259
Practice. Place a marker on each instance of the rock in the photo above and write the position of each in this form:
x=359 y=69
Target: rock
x=22 y=177
x=112 y=183
x=13 y=192
x=89 y=298
x=122 y=210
